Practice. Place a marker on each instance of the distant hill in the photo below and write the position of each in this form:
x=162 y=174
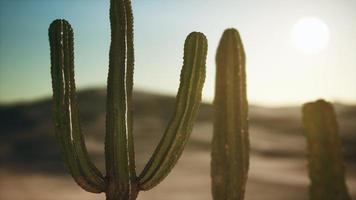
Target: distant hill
x=27 y=140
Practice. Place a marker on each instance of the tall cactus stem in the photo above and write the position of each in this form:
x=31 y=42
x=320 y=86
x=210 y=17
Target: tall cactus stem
x=230 y=145
x=326 y=165
x=119 y=149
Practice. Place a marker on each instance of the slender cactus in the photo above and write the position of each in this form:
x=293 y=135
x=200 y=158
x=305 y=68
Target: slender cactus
x=119 y=149
x=326 y=165
x=230 y=145
x=121 y=181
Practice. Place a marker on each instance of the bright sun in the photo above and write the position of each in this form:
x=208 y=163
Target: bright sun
x=310 y=35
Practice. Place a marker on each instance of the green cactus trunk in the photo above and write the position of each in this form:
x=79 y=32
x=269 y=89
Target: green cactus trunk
x=121 y=181
x=119 y=148
x=230 y=145
x=326 y=165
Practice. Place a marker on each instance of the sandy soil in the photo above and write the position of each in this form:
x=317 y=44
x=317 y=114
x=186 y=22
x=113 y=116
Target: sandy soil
x=269 y=179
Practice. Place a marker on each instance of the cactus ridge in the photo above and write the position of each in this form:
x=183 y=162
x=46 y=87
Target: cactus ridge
x=326 y=165
x=230 y=145
x=121 y=181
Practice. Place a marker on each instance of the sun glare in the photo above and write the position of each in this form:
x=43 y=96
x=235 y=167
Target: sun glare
x=310 y=35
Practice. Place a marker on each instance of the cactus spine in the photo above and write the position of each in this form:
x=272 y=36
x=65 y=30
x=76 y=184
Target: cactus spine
x=121 y=181
x=326 y=165
x=230 y=145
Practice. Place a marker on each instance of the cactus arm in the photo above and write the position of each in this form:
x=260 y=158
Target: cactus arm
x=66 y=115
x=230 y=144
x=326 y=165
x=178 y=131
x=119 y=150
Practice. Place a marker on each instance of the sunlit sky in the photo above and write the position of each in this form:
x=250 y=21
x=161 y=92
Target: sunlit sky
x=279 y=72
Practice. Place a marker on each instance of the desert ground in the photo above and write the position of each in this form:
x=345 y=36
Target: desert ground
x=31 y=168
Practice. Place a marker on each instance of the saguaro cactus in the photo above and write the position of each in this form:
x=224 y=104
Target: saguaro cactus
x=326 y=165
x=230 y=145
x=121 y=181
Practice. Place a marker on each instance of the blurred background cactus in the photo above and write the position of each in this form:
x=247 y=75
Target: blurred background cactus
x=326 y=163
x=230 y=145
x=121 y=181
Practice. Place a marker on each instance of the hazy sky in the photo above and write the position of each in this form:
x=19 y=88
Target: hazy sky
x=278 y=73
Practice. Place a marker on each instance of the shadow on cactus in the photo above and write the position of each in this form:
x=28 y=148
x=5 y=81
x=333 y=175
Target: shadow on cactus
x=121 y=181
